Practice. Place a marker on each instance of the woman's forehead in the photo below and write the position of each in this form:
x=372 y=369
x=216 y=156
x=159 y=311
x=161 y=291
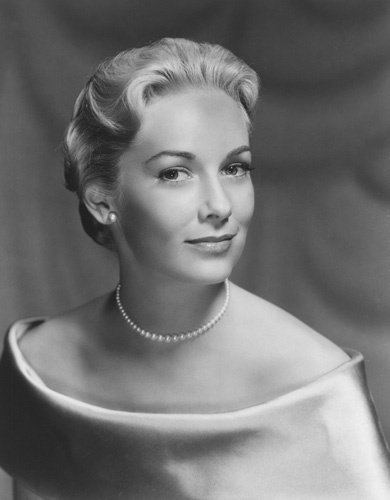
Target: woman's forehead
x=193 y=119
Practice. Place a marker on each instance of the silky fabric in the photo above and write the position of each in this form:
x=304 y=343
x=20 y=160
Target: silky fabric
x=319 y=441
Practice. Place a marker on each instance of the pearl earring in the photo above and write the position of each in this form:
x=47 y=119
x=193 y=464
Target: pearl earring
x=112 y=218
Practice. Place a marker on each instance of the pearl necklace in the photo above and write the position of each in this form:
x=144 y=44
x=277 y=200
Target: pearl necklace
x=172 y=337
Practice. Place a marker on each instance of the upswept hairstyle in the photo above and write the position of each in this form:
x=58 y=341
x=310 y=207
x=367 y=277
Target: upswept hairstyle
x=108 y=111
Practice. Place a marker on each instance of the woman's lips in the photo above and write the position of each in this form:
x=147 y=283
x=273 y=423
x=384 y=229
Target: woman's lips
x=212 y=239
x=213 y=244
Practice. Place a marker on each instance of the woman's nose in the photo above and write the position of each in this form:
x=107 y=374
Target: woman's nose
x=215 y=204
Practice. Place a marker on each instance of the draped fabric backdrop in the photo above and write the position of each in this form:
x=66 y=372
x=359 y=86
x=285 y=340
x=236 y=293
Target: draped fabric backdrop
x=320 y=240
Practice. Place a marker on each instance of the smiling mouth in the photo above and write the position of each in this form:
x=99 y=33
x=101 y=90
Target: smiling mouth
x=212 y=245
x=212 y=239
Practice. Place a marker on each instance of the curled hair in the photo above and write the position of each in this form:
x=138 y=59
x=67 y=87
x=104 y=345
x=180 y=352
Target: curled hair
x=108 y=111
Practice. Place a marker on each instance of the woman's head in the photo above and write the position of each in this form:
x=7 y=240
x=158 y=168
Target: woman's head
x=110 y=111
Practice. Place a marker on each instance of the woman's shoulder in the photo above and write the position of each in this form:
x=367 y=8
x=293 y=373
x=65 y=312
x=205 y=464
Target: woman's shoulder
x=54 y=347
x=65 y=326
x=272 y=351
x=285 y=346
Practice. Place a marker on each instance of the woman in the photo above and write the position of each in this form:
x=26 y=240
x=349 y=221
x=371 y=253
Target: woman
x=178 y=384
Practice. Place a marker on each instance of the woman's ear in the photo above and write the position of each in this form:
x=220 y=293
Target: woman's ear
x=98 y=203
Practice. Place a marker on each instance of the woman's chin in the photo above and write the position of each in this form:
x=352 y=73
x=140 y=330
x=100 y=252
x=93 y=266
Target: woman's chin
x=195 y=268
x=206 y=273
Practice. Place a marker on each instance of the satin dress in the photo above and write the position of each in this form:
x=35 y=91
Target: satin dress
x=320 y=441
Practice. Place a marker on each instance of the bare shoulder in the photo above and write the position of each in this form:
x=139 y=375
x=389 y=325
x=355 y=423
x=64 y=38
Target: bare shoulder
x=287 y=347
x=57 y=349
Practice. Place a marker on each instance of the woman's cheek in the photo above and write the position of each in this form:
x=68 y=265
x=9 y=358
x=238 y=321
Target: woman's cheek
x=175 y=208
x=158 y=216
x=244 y=205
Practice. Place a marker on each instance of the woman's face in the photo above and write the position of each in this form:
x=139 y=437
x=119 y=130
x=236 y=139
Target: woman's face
x=186 y=192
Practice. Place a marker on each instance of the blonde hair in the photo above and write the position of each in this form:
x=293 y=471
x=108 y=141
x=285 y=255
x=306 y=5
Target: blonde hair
x=108 y=111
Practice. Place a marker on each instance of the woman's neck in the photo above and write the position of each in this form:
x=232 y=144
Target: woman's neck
x=164 y=305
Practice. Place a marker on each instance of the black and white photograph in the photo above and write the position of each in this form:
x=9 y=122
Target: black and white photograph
x=195 y=250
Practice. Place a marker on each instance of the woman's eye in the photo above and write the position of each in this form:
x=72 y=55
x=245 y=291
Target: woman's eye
x=174 y=175
x=237 y=169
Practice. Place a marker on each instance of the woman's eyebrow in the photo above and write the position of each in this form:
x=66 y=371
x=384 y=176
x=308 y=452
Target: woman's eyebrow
x=237 y=151
x=190 y=156
x=180 y=154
